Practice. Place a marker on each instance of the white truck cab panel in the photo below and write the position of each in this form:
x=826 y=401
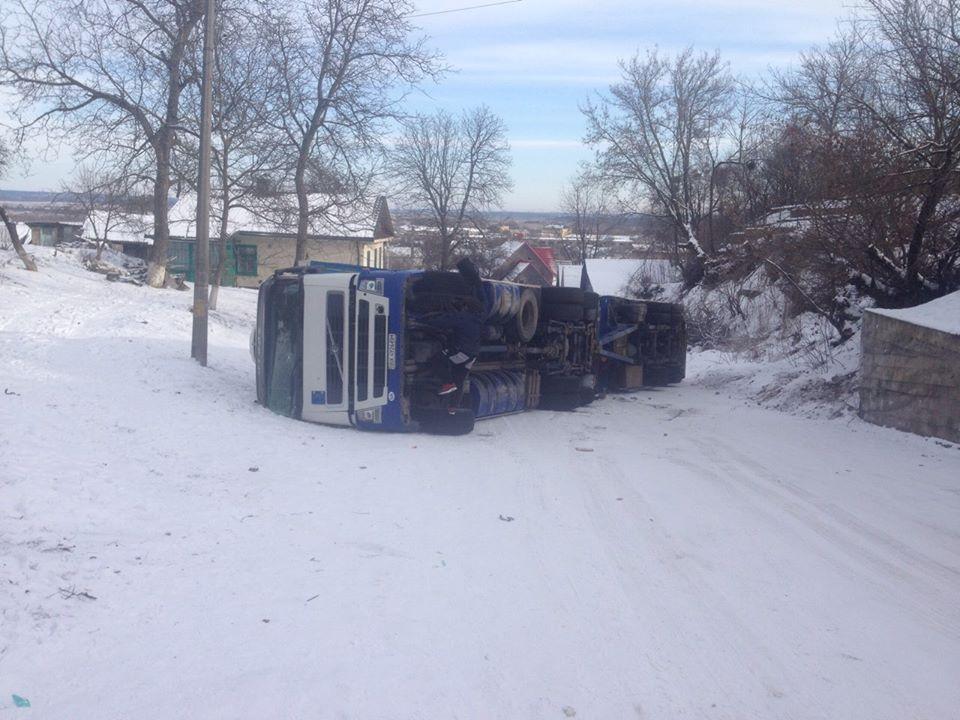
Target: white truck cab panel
x=326 y=377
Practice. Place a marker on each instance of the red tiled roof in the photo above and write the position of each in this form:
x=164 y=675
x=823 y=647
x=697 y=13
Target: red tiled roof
x=546 y=255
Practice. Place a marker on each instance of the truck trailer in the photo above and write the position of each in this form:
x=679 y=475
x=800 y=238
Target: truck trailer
x=360 y=348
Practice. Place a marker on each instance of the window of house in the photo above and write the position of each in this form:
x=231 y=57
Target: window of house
x=247 y=260
x=366 y=255
x=46 y=236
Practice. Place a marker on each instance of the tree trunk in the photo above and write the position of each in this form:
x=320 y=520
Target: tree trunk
x=303 y=211
x=915 y=248
x=217 y=277
x=27 y=261
x=157 y=266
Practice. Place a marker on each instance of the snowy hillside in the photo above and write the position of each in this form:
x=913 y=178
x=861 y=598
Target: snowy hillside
x=170 y=549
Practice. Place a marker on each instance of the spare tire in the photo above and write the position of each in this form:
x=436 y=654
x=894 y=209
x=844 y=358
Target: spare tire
x=528 y=315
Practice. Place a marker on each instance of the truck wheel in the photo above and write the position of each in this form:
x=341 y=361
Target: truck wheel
x=528 y=315
x=561 y=393
x=564 y=312
x=440 y=421
x=564 y=295
x=660 y=376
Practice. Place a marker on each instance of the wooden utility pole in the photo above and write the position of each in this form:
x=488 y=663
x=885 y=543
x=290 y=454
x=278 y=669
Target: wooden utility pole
x=201 y=276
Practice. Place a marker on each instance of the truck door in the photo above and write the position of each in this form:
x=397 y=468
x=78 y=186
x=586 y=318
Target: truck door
x=370 y=350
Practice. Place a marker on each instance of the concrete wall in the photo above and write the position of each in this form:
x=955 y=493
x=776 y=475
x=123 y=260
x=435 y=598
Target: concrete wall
x=910 y=377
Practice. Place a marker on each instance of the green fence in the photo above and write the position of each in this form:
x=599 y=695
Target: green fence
x=241 y=260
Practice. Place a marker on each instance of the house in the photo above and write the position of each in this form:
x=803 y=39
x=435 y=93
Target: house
x=529 y=265
x=262 y=237
x=53 y=232
x=53 y=218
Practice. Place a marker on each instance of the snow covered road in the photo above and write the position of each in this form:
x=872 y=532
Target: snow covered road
x=170 y=549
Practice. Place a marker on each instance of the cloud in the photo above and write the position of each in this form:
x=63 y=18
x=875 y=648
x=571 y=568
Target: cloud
x=562 y=41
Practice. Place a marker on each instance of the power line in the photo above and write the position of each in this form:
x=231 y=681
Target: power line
x=471 y=7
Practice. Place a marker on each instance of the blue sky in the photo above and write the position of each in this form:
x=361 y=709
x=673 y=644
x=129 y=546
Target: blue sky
x=534 y=62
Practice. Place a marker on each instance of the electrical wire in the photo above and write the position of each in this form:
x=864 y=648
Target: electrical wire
x=471 y=7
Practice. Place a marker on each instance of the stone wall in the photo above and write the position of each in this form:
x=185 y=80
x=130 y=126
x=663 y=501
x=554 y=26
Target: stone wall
x=910 y=377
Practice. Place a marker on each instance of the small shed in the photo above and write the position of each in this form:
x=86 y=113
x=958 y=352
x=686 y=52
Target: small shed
x=910 y=368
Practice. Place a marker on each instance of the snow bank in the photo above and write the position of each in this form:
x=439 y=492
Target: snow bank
x=942 y=314
x=748 y=341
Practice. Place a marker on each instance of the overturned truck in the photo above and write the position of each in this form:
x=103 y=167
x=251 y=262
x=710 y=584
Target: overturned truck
x=360 y=348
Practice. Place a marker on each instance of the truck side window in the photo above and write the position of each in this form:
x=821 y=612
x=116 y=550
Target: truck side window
x=336 y=302
x=379 y=353
x=363 y=349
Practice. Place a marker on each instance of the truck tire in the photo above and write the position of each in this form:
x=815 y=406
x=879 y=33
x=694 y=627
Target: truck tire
x=528 y=315
x=564 y=295
x=440 y=421
x=561 y=393
x=564 y=312
x=660 y=376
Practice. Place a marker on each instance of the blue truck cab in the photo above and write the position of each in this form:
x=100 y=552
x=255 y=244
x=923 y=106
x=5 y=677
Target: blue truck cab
x=361 y=347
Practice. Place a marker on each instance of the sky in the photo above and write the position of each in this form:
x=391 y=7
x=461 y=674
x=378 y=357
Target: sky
x=535 y=62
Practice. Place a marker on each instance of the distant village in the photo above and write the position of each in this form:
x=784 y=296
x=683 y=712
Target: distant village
x=526 y=247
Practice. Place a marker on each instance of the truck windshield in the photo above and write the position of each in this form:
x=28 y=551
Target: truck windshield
x=283 y=339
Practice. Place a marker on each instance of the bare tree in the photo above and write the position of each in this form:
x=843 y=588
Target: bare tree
x=105 y=189
x=8 y=224
x=342 y=67
x=107 y=74
x=880 y=108
x=658 y=134
x=453 y=168
x=585 y=200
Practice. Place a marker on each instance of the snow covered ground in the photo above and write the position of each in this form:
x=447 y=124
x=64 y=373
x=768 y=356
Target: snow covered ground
x=170 y=549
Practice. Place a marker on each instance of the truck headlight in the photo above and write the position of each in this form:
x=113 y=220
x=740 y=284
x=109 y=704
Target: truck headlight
x=372 y=415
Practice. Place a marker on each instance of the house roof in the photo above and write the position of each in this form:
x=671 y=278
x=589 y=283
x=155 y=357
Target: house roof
x=540 y=260
x=546 y=256
x=334 y=218
x=118 y=228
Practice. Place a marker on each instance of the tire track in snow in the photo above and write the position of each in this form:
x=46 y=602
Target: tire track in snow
x=768 y=496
